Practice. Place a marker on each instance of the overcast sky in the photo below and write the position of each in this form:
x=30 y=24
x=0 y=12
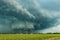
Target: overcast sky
x=39 y=15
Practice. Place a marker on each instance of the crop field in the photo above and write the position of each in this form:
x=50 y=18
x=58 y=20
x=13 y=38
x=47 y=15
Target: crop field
x=29 y=36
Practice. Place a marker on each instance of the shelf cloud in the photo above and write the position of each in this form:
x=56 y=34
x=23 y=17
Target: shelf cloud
x=28 y=16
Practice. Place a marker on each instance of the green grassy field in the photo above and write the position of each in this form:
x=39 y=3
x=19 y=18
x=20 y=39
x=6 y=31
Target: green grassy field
x=29 y=36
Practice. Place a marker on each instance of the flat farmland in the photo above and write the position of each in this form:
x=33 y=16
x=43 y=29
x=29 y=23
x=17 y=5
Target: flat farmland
x=29 y=36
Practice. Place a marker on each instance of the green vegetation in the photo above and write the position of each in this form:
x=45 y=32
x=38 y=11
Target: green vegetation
x=29 y=36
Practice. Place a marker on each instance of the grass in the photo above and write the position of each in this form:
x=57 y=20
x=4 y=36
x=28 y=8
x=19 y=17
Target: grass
x=29 y=36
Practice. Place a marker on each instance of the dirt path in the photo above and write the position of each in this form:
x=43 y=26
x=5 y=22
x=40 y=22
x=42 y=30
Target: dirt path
x=53 y=39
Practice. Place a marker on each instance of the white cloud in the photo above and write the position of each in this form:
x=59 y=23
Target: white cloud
x=23 y=25
x=51 y=14
x=44 y=11
x=51 y=30
x=19 y=7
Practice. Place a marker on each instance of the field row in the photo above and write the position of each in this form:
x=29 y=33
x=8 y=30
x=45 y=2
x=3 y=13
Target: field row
x=29 y=36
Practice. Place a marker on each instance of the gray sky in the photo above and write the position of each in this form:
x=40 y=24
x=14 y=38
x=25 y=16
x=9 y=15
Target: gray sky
x=42 y=15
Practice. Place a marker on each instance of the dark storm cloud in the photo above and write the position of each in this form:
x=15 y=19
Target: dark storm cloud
x=24 y=16
x=14 y=15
